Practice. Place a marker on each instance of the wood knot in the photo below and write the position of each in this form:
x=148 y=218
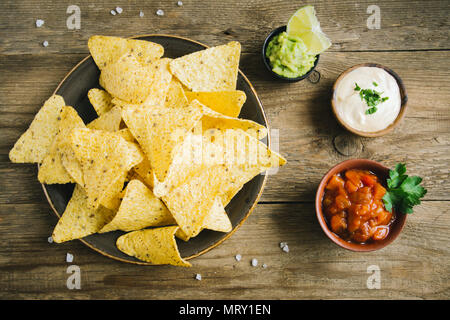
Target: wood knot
x=347 y=144
x=314 y=77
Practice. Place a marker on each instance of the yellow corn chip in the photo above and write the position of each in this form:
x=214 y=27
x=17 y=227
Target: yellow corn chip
x=114 y=195
x=228 y=103
x=104 y=157
x=108 y=121
x=244 y=156
x=126 y=133
x=156 y=246
x=70 y=162
x=35 y=143
x=217 y=220
x=190 y=202
x=106 y=50
x=175 y=95
x=139 y=209
x=100 y=100
x=79 y=219
x=133 y=82
x=144 y=170
x=52 y=170
x=213 y=69
x=212 y=119
x=159 y=129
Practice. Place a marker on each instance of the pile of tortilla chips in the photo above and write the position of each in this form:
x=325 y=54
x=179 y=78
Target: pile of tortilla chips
x=165 y=156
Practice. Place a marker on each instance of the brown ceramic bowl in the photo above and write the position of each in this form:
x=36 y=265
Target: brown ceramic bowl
x=401 y=114
x=383 y=173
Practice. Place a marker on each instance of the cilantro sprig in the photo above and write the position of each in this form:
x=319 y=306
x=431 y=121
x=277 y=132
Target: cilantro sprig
x=372 y=97
x=403 y=192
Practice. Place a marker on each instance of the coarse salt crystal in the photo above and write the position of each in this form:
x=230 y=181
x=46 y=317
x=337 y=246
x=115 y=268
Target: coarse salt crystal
x=282 y=244
x=69 y=257
x=286 y=248
x=254 y=262
x=113 y=12
x=179 y=3
x=39 y=23
x=264 y=265
x=141 y=14
x=119 y=10
x=198 y=276
x=238 y=257
x=160 y=12
x=45 y=43
x=50 y=239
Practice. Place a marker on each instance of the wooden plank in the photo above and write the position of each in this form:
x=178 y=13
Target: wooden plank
x=405 y=25
x=301 y=112
x=415 y=266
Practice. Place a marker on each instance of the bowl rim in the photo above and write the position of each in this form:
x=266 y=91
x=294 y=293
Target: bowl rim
x=266 y=61
x=403 y=106
x=227 y=235
x=396 y=227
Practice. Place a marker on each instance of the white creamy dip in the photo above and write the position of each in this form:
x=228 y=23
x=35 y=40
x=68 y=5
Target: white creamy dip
x=352 y=109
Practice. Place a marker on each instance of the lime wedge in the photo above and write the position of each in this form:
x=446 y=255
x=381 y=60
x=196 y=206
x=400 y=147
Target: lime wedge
x=304 y=24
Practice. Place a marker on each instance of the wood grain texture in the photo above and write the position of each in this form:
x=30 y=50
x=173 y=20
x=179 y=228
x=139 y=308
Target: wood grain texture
x=412 y=267
x=413 y=41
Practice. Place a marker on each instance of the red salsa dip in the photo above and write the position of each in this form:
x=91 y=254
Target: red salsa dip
x=354 y=208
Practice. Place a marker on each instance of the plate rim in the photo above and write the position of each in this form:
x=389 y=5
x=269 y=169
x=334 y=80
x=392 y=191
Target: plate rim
x=227 y=235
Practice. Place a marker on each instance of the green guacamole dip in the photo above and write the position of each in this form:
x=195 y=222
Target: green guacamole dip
x=288 y=56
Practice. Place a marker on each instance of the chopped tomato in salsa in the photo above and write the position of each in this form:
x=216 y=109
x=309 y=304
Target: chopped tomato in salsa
x=354 y=207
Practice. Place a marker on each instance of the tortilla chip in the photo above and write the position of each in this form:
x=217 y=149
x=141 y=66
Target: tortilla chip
x=215 y=120
x=52 y=170
x=159 y=129
x=34 y=144
x=156 y=246
x=133 y=82
x=217 y=220
x=108 y=121
x=100 y=100
x=144 y=170
x=191 y=202
x=70 y=162
x=104 y=157
x=228 y=103
x=114 y=195
x=244 y=156
x=175 y=95
x=126 y=133
x=79 y=219
x=213 y=69
x=107 y=50
x=139 y=209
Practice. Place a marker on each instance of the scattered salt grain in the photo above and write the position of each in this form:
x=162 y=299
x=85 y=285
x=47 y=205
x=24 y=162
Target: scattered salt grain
x=113 y=12
x=286 y=248
x=69 y=257
x=119 y=10
x=198 y=276
x=45 y=43
x=179 y=3
x=238 y=257
x=39 y=23
x=159 y=12
x=141 y=14
x=254 y=262
x=50 y=239
x=264 y=265
x=282 y=244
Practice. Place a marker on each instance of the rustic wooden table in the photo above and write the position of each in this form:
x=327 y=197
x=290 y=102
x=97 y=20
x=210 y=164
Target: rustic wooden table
x=412 y=39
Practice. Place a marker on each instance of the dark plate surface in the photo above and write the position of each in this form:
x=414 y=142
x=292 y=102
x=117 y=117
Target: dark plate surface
x=74 y=89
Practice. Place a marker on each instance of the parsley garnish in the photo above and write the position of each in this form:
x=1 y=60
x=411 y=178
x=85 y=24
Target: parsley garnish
x=403 y=192
x=372 y=97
